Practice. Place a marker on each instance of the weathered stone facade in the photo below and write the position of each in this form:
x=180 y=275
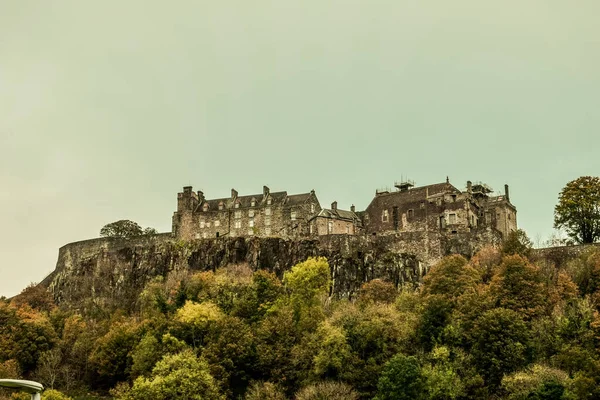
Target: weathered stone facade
x=440 y=208
x=267 y=214
x=334 y=221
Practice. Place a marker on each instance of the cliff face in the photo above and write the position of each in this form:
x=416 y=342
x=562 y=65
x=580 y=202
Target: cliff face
x=112 y=272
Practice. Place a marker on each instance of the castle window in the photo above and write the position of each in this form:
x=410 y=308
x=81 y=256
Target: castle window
x=422 y=204
x=237 y=204
x=267 y=231
x=330 y=227
x=217 y=223
x=451 y=219
x=453 y=197
x=251 y=223
x=201 y=224
x=238 y=224
x=238 y=214
x=385 y=217
x=253 y=202
x=251 y=213
x=197 y=236
x=204 y=235
x=250 y=232
x=312 y=208
x=269 y=201
x=267 y=221
x=221 y=205
x=488 y=218
x=293 y=215
x=410 y=213
x=205 y=207
x=311 y=228
x=208 y=224
x=268 y=211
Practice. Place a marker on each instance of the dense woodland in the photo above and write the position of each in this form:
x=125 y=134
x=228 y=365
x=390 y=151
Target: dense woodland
x=497 y=326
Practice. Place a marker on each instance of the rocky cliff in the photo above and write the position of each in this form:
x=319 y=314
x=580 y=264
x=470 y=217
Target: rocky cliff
x=113 y=271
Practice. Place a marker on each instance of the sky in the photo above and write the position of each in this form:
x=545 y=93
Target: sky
x=109 y=108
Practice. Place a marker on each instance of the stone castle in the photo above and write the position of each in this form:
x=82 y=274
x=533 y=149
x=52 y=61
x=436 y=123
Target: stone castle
x=428 y=216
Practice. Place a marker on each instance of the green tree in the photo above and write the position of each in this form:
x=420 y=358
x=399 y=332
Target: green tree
x=377 y=291
x=578 y=209
x=123 y=228
x=519 y=286
x=327 y=391
x=451 y=277
x=264 y=391
x=176 y=376
x=52 y=394
x=111 y=357
x=401 y=379
x=231 y=354
x=536 y=382
x=517 y=242
x=501 y=344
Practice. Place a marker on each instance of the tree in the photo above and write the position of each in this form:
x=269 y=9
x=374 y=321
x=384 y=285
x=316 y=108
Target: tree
x=176 y=376
x=578 y=209
x=377 y=291
x=125 y=229
x=517 y=242
x=519 y=286
x=401 y=378
x=501 y=344
x=327 y=391
x=451 y=277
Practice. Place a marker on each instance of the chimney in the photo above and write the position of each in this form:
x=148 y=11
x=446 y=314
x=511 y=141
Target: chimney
x=234 y=194
x=506 y=192
x=352 y=208
x=187 y=190
x=200 y=196
x=266 y=191
x=334 y=205
x=469 y=185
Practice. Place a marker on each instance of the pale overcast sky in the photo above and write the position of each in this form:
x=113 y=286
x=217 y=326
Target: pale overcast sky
x=108 y=108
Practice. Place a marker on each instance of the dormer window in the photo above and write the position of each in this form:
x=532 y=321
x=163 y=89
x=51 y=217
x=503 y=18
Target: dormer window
x=253 y=202
x=205 y=207
x=221 y=205
x=269 y=201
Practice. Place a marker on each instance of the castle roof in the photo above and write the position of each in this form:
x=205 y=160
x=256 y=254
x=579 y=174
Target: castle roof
x=277 y=198
x=337 y=214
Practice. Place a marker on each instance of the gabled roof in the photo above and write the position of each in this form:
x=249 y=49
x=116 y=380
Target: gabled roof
x=337 y=214
x=417 y=193
x=277 y=198
x=297 y=199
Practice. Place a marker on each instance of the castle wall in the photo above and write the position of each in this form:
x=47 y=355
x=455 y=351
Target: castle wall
x=333 y=226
